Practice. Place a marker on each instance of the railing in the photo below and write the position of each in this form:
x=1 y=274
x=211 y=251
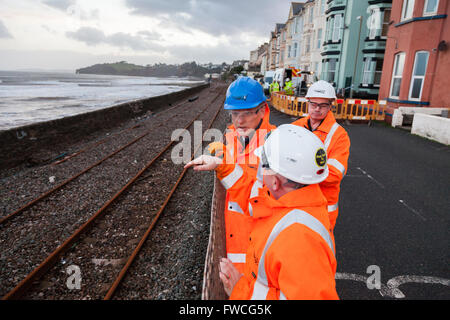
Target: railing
x=351 y=109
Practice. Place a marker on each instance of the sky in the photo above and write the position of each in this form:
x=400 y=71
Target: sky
x=71 y=34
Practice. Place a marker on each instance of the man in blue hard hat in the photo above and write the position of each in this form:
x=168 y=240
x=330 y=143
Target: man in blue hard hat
x=249 y=111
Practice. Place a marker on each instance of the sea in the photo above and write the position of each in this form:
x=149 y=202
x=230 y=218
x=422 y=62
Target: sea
x=31 y=97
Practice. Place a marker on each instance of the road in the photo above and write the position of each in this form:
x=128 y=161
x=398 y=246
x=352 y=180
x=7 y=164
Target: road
x=392 y=233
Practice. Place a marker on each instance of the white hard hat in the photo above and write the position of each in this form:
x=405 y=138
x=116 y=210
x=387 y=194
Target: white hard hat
x=321 y=89
x=295 y=153
x=287 y=79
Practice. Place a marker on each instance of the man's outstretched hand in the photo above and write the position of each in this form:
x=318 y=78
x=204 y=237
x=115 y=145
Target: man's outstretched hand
x=204 y=163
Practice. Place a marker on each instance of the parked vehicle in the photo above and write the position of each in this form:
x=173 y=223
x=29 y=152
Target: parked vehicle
x=268 y=79
x=300 y=79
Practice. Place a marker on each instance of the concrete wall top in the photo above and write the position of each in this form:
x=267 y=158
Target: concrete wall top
x=432 y=127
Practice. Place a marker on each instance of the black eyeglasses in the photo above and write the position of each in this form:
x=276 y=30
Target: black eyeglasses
x=319 y=105
x=245 y=114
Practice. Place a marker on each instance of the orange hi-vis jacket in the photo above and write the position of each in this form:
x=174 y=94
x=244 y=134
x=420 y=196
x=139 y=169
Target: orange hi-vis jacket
x=237 y=219
x=337 y=145
x=291 y=251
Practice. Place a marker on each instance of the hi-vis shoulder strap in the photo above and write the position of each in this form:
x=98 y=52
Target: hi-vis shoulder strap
x=330 y=135
x=261 y=287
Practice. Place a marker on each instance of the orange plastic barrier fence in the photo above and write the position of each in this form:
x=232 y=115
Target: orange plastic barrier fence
x=351 y=109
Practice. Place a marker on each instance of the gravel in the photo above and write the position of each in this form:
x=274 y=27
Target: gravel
x=170 y=265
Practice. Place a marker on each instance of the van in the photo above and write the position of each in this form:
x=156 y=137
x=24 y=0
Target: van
x=301 y=82
x=268 y=79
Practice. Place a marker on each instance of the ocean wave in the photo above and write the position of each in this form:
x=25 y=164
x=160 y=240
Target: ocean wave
x=45 y=99
x=94 y=85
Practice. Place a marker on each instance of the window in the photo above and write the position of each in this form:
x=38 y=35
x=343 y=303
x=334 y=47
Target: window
x=378 y=72
x=372 y=70
x=374 y=23
x=299 y=25
x=418 y=76
x=378 y=22
x=408 y=8
x=367 y=72
x=337 y=25
x=431 y=7
x=308 y=44
x=331 y=70
x=322 y=6
x=289 y=51
x=294 y=54
x=311 y=15
x=319 y=38
x=385 y=27
x=399 y=63
x=329 y=29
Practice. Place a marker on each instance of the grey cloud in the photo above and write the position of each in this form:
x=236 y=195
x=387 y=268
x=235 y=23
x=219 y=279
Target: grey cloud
x=93 y=36
x=88 y=35
x=60 y=4
x=229 y=17
x=208 y=54
x=4 y=33
x=72 y=9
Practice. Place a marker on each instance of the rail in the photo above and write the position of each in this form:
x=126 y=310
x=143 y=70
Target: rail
x=21 y=288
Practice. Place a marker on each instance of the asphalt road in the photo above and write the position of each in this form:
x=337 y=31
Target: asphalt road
x=392 y=233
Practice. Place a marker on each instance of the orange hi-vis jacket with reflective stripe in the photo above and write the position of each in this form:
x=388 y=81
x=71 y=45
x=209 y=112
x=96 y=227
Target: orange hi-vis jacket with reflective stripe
x=237 y=220
x=337 y=145
x=291 y=251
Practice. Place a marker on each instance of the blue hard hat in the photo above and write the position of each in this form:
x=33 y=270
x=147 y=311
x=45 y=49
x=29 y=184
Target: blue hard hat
x=244 y=93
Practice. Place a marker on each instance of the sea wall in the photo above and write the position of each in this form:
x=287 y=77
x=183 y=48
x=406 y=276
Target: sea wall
x=18 y=145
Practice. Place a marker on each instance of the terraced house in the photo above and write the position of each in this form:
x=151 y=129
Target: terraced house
x=416 y=70
x=354 y=45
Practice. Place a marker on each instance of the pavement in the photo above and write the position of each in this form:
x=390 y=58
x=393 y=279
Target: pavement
x=392 y=232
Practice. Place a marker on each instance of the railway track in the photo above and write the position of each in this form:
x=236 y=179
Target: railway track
x=66 y=172
x=111 y=231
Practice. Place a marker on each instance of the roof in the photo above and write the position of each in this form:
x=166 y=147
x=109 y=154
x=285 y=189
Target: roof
x=296 y=7
x=279 y=26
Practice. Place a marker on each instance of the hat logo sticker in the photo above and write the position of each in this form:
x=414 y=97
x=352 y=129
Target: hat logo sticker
x=321 y=157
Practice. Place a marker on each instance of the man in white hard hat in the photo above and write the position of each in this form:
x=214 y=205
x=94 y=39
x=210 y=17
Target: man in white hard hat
x=321 y=122
x=291 y=251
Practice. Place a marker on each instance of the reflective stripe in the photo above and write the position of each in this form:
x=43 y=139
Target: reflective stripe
x=260 y=291
x=330 y=135
x=333 y=207
x=236 y=257
x=254 y=193
x=259 y=173
x=233 y=177
x=234 y=206
x=255 y=189
x=250 y=209
x=337 y=165
x=261 y=286
x=282 y=296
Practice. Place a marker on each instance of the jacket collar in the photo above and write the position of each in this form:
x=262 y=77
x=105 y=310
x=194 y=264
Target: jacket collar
x=326 y=124
x=264 y=205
